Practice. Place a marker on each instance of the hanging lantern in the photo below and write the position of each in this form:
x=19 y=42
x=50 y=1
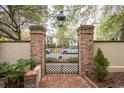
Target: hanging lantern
x=61 y=18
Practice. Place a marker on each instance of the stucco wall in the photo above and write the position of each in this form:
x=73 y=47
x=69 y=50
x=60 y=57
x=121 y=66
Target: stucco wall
x=114 y=51
x=12 y=51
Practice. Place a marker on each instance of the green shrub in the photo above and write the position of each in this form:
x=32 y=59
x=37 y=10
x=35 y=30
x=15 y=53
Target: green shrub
x=20 y=68
x=101 y=65
x=22 y=64
x=51 y=59
x=4 y=69
x=51 y=45
x=15 y=72
x=72 y=59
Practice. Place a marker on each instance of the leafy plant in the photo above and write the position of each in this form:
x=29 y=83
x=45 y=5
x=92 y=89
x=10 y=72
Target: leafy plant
x=51 y=45
x=101 y=64
x=72 y=59
x=15 y=72
x=20 y=68
x=25 y=64
x=32 y=64
x=4 y=69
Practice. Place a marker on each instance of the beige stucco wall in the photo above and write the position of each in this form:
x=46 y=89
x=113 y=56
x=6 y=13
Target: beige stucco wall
x=12 y=51
x=114 y=51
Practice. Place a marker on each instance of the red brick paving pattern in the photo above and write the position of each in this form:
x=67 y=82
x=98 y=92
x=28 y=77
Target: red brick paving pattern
x=63 y=81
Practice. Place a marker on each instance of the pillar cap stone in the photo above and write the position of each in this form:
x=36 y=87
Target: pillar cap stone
x=37 y=27
x=85 y=27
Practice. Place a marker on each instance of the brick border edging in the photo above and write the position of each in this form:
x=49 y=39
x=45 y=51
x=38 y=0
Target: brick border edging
x=93 y=85
x=104 y=41
x=32 y=78
x=2 y=84
x=19 y=41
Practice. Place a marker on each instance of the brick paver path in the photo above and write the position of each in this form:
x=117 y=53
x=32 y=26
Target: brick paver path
x=63 y=81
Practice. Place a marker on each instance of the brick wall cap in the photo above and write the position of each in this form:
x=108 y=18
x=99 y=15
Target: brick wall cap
x=85 y=27
x=37 y=27
x=37 y=67
x=31 y=73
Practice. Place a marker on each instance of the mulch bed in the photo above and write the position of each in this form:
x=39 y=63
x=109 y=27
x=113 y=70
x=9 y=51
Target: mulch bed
x=5 y=83
x=114 y=80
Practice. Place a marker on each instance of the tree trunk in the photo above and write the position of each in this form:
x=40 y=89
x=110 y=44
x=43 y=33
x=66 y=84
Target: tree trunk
x=122 y=33
x=18 y=30
x=19 y=35
x=14 y=21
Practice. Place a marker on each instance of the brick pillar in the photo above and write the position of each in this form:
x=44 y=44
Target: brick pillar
x=85 y=39
x=37 y=34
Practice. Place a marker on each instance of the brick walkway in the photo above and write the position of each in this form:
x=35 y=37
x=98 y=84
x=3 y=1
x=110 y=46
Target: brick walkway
x=63 y=81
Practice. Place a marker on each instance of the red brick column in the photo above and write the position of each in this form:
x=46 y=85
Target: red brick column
x=37 y=34
x=85 y=38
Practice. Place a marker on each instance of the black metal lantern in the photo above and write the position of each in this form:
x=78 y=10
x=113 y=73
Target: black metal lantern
x=61 y=18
